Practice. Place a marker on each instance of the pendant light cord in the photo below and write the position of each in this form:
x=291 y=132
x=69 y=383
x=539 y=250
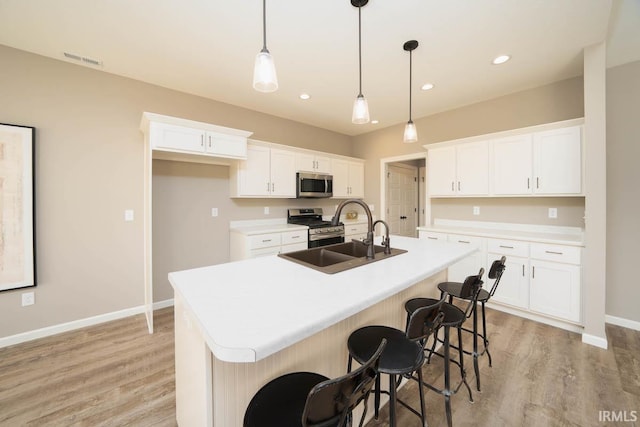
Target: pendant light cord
x=264 y=25
x=360 y=50
x=410 y=75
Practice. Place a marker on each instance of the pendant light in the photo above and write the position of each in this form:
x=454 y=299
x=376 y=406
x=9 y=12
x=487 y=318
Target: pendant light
x=410 y=132
x=264 y=70
x=360 y=107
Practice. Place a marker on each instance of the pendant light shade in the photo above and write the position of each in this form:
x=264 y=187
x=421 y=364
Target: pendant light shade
x=410 y=131
x=360 y=107
x=264 y=70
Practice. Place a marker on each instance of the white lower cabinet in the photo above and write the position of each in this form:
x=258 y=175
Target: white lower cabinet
x=539 y=278
x=355 y=231
x=555 y=285
x=244 y=246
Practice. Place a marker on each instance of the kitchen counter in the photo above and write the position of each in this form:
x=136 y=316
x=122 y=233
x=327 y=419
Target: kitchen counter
x=241 y=324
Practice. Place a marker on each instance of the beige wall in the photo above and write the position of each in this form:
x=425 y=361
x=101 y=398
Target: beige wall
x=623 y=195
x=89 y=166
x=555 y=102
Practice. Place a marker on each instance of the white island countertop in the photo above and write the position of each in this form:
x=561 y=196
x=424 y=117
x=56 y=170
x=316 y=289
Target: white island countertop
x=248 y=310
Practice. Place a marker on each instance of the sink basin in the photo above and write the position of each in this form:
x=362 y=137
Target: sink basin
x=339 y=257
x=355 y=249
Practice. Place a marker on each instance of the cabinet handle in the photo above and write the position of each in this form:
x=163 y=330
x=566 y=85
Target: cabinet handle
x=463 y=241
x=267 y=240
x=295 y=237
x=209 y=141
x=522 y=270
x=506 y=247
x=528 y=183
x=273 y=187
x=432 y=238
x=458 y=185
x=268 y=185
x=452 y=188
x=201 y=140
x=554 y=253
x=533 y=272
x=537 y=182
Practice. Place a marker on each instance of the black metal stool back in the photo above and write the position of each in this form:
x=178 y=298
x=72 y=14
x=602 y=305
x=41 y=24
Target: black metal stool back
x=425 y=321
x=495 y=273
x=470 y=290
x=330 y=403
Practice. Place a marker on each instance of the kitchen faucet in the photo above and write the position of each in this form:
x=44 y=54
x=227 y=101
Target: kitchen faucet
x=369 y=240
x=385 y=239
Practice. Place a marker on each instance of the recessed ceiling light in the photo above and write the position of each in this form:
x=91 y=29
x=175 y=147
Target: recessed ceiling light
x=427 y=86
x=501 y=59
x=305 y=96
x=374 y=122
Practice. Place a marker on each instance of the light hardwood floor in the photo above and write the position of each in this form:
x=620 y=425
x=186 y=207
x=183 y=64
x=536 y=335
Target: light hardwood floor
x=116 y=374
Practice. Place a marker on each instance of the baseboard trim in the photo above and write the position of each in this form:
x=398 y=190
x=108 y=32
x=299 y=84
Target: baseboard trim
x=80 y=323
x=595 y=341
x=625 y=323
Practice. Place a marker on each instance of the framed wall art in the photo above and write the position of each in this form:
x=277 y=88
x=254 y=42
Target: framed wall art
x=17 y=207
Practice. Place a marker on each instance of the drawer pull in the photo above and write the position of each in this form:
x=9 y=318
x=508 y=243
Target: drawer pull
x=522 y=270
x=554 y=253
x=506 y=247
x=432 y=238
x=295 y=237
x=267 y=240
x=463 y=241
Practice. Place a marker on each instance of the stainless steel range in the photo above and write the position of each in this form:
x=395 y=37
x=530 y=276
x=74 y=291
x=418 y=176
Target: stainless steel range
x=321 y=233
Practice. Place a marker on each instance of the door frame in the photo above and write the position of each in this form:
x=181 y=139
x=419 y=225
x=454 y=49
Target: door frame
x=383 y=183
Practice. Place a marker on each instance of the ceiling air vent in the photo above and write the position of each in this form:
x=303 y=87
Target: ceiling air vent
x=83 y=59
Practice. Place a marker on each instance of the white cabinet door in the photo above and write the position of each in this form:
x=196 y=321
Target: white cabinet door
x=309 y=162
x=555 y=289
x=471 y=264
x=512 y=165
x=323 y=164
x=513 y=288
x=283 y=173
x=356 y=180
x=225 y=145
x=557 y=164
x=472 y=169
x=342 y=176
x=255 y=172
x=173 y=137
x=441 y=168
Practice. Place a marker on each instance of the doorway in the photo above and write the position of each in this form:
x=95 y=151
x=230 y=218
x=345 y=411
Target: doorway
x=403 y=193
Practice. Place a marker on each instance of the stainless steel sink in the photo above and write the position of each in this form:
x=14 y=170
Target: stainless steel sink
x=339 y=257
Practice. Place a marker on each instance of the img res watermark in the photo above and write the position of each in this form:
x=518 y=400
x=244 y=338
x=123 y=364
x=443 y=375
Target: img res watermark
x=617 y=416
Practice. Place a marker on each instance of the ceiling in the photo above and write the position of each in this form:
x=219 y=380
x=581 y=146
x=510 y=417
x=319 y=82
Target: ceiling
x=207 y=48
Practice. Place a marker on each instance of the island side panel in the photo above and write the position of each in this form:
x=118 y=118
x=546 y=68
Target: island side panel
x=193 y=364
x=234 y=384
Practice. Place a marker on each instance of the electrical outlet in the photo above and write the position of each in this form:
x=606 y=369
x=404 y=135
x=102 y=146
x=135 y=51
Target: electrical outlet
x=266 y=210
x=553 y=212
x=476 y=210
x=128 y=215
x=214 y=211
x=28 y=298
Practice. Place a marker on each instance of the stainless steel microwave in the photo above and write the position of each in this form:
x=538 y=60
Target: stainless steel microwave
x=313 y=185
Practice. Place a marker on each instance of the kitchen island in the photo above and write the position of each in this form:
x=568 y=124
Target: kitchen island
x=241 y=324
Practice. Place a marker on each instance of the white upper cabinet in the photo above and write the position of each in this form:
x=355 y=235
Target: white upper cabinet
x=539 y=163
x=171 y=135
x=557 y=161
x=267 y=172
x=512 y=164
x=308 y=162
x=348 y=178
x=460 y=170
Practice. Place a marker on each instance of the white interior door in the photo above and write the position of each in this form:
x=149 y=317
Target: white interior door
x=402 y=199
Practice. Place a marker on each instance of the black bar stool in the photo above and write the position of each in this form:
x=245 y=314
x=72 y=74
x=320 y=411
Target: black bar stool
x=312 y=400
x=403 y=355
x=454 y=317
x=454 y=289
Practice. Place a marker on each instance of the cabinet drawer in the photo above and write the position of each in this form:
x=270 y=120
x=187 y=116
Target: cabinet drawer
x=355 y=229
x=290 y=237
x=475 y=242
x=255 y=253
x=432 y=235
x=294 y=247
x=264 y=240
x=557 y=253
x=508 y=247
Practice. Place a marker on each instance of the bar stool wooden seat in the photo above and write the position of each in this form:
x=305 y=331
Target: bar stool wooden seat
x=307 y=399
x=403 y=356
x=454 y=289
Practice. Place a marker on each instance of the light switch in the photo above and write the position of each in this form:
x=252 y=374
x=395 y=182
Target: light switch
x=128 y=215
x=214 y=211
x=476 y=210
x=553 y=212
x=266 y=210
